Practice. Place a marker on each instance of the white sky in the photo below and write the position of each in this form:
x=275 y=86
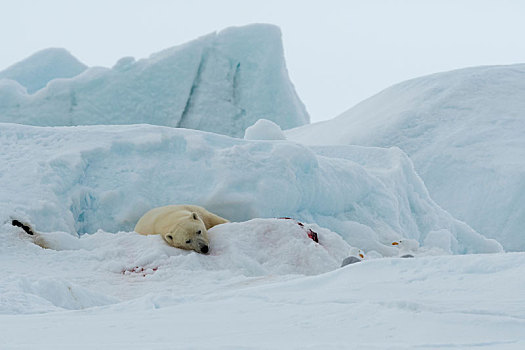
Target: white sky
x=338 y=52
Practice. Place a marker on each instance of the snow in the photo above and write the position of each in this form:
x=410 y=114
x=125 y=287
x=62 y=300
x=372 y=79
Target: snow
x=259 y=249
x=464 y=132
x=264 y=129
x=222 y=82
x=36 y=71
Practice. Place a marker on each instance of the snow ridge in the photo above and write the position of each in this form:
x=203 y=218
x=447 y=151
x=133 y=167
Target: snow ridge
x=106 y=177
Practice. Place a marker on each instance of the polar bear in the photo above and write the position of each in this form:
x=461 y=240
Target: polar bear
x=181 y=226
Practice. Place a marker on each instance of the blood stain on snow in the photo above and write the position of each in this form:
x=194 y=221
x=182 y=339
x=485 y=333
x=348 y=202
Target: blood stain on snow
x=138 y=270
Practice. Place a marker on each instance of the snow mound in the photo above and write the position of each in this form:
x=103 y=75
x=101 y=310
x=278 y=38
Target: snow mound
x=222 y=82
x=263 y=247
x=264 y=129
x=83 y=179
x=464 y=131
x=40 y=68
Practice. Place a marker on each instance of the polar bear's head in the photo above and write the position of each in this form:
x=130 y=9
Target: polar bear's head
x=189 y=233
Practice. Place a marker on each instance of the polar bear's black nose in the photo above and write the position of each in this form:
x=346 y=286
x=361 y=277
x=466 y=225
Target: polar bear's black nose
x=204 y=249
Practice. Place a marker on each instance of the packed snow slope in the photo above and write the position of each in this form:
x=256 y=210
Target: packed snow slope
x=36 y=71
x=222 y=82
x=464 y=131
x=81 y=179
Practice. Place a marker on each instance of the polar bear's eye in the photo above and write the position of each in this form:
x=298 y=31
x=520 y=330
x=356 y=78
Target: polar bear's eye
x=198 y=232
x=188 y=241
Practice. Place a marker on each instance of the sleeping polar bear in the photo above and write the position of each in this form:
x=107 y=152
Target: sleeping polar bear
x=181 y=226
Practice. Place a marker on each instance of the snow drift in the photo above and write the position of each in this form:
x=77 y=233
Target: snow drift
x=82 y=179
x=464 y=132
x=222 y=82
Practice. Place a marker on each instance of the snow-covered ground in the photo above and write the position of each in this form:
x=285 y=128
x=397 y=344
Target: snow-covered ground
x=265 y=285
x=222 y=82
x=463 y=129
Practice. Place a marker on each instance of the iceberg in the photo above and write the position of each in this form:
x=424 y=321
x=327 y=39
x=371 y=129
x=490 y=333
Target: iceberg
x=222 y=82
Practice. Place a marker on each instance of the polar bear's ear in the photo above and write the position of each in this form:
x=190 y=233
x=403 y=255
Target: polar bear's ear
x=169 y=237
x=195 y=216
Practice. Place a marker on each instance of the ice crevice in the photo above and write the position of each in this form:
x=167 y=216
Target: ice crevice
x=196 y=81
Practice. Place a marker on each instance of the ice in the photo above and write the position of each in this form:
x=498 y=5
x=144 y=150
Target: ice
x=464 y=132
x=222 y=82
x=82 y=179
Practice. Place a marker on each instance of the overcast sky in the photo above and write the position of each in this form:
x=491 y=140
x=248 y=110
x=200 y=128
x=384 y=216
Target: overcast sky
x=338 y=52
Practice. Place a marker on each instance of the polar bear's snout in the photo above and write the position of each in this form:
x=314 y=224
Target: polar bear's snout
x=203 y=247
